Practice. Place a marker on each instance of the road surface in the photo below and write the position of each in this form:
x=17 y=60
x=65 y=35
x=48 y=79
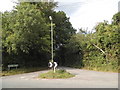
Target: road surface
x=82 y=79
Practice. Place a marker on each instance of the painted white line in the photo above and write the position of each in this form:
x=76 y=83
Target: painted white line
x=44 y=79
x=33 y=76
x=2 y=77
x=26 y=79
x=22 y=77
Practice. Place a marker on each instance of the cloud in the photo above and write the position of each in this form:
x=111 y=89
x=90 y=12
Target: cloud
x=119 y=6
x=7 y=5
x=87 y=13
x=93 y=12
x=69 y=7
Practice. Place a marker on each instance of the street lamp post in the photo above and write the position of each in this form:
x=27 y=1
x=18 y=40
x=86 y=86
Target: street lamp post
x=51 y=37
x=52 y=63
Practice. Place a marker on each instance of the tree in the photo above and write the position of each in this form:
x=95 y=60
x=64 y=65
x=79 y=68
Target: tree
x=103 y=47
x=63 y=29
x=74 y=51
x=26 y=37
x=116 y=18
x=26 y=34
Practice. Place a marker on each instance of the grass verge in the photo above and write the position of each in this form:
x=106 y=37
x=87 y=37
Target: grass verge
x=59 y=74
x=21 y=71
x=100 y=69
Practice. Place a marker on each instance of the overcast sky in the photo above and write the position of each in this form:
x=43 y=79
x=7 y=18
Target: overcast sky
x=82 y=13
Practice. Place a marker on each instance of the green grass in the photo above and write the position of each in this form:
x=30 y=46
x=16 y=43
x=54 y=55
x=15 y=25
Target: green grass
x=59 y=74
x=101 y=68
x=21 y=71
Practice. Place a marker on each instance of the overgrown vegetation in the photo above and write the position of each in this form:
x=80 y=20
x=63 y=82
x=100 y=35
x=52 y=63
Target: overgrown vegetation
x=59 y=74
x=99 y=50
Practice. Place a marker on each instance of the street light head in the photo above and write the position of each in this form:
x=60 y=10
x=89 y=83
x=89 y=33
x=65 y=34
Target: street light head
x=50 y=17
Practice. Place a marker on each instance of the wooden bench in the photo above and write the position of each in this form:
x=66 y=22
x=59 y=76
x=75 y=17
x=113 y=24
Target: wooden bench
x=12 y=65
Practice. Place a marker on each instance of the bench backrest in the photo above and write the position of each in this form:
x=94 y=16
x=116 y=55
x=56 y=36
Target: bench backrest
x=13 y=65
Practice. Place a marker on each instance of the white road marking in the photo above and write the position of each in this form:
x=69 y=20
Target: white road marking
x=2 y=77
x=44 y=79
x=26 y=79
x=33 y=76
x=22 y=77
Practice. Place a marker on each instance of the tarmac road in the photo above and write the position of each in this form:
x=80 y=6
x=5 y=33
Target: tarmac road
x=82 y=79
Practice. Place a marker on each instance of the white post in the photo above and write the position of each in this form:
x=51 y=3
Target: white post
x=55 y=65
x=51 y=39
x=54 y=69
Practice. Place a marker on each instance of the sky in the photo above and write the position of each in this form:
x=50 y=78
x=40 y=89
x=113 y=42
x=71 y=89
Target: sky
x=89 y=13
x=83 y=13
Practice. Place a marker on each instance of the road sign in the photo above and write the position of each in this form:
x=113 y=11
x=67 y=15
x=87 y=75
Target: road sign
x=50 y=64
x=53 y=64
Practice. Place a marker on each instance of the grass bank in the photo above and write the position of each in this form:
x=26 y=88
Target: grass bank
x=21 y=71
x=101 y=68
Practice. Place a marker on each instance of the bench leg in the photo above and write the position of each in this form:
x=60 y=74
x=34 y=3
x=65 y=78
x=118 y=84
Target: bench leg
x=8 y=68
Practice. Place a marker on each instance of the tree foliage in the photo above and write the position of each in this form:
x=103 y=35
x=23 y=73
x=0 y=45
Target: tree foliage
x=26 y=39
x=26 y=33
x=101 y=49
